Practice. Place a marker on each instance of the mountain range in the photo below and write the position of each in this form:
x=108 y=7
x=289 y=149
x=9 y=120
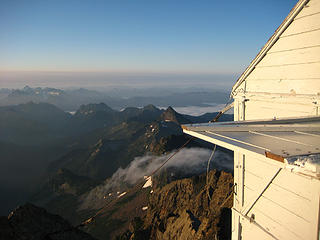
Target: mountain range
x=72 y=99
x=59 y=160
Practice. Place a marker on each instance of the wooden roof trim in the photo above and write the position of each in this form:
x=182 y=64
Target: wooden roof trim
x=272 y=40
x=274 y=156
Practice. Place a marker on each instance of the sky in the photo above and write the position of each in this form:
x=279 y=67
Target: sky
x=151 y=40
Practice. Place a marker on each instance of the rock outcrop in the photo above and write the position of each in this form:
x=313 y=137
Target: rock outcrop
x=183 y=210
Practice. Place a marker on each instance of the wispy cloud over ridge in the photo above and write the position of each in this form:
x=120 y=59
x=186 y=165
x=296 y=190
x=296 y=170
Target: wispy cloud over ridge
x=188 y=160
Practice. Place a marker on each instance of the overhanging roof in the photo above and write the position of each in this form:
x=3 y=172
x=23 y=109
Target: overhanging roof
x=277 y=139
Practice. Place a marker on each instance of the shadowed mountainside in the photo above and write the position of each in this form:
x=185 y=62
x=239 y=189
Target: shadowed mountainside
x=31 y=222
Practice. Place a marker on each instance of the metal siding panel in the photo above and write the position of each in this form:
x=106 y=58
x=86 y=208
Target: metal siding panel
x=250 y=231
x=283 y=85
x=297 y=184
x=312 y=7
x=290 y=201
x=254 y=182
x=256 y=185
x=261 y=169
x=273 y=226
x=296 y=56
x=285 y=219
x=250 y=194
x=308 y=39
x=278 y=109
x=283 y=209
x=302 y=71
x=300 y=25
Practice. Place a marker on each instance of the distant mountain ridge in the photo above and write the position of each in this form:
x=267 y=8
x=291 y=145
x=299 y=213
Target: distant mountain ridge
x=39 y=122
x=70 y=100
x=29 y=123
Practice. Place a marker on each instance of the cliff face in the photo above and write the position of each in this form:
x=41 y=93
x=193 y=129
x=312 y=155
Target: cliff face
x=183 y=210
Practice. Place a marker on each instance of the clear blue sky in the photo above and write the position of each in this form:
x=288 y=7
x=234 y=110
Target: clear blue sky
x=163 y=36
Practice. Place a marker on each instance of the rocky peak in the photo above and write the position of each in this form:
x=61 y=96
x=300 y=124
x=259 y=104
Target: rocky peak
x=151 y=107
x=171 y=115
x=92 y=108
x=27 y=89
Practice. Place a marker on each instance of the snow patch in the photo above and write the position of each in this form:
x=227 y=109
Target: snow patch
x=307 y=164
x=122 y=194
x=148 y=182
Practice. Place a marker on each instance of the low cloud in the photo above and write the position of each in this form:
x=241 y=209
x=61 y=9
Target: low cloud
x=188 y=160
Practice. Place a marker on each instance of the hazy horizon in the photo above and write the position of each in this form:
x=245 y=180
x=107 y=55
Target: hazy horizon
x=107 y=80
x=141 y=44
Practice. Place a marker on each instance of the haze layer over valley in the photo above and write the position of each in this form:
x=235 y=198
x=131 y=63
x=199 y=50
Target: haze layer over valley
x=118 y=98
